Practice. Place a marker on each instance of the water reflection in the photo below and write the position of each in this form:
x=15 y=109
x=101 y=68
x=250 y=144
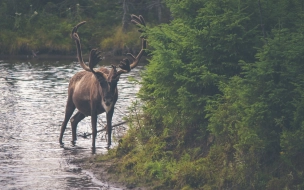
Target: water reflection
x=32 y=100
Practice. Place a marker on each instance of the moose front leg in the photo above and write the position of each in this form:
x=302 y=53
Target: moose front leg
x=94 y=128
x=109 y=125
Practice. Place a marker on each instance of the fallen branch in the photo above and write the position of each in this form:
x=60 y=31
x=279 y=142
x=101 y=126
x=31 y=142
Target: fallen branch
x=85 y=135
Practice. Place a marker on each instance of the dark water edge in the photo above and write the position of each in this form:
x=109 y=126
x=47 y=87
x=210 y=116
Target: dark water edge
x=106 y=59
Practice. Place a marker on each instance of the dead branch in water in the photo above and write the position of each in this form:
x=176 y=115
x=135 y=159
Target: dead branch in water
x=85 y=135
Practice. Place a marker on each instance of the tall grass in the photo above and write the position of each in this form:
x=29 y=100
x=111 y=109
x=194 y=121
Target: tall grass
x=56 y=39
x=121 y=41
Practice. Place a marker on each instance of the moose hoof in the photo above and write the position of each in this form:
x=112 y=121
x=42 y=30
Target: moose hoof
x=61 y=145
x=108 y=147
x=73 y=143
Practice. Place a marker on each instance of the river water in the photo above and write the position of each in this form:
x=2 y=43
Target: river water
x=32 y=104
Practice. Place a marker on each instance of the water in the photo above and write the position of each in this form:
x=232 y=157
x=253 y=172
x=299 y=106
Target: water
x=32 y=104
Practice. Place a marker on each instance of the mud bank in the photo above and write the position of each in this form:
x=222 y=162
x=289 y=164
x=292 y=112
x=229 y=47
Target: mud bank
x=102 y=171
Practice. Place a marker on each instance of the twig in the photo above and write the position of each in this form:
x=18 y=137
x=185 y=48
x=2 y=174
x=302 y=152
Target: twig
x=85 y=135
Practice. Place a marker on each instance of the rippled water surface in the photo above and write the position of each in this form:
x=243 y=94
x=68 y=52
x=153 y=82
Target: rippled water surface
x=32 y=103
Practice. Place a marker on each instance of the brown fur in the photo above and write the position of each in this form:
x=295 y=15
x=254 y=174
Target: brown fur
x=94 y=91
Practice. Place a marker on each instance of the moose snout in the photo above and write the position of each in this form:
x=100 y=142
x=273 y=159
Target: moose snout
x=108 y=101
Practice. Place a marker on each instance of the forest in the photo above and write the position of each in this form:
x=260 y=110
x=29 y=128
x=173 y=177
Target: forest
x=221 y=102
x=45 y=26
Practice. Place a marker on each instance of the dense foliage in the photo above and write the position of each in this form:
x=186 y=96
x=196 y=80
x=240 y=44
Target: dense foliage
x=45 y=26
x=223 y=99
x=223 y=94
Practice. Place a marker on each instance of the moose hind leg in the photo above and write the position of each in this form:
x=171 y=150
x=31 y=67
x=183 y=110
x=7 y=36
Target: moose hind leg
x=74 y=122
x=70 y=107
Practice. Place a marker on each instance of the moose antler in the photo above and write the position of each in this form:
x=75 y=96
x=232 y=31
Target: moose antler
x=95 y=56
x=75 y=36
x=125 y=64
x=138 y=20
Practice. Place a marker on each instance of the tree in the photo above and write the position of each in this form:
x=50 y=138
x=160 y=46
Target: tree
x=223 y=97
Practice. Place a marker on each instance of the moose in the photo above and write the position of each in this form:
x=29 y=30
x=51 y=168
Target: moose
x=94 y=91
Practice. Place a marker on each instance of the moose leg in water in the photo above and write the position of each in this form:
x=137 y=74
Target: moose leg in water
x=74 y=121
x=109 y=123
x=69 y=109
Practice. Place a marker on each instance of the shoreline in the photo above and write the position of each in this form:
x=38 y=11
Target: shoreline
x=106 y=60
x=100 y=171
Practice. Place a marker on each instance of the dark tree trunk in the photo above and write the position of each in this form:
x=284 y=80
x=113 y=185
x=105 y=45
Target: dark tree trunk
x=159 y=11
x=124 y=16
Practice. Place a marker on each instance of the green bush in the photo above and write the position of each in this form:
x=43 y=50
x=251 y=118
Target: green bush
x=223 y=98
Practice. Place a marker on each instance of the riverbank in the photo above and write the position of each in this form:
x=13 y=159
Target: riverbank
x=103 y=171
